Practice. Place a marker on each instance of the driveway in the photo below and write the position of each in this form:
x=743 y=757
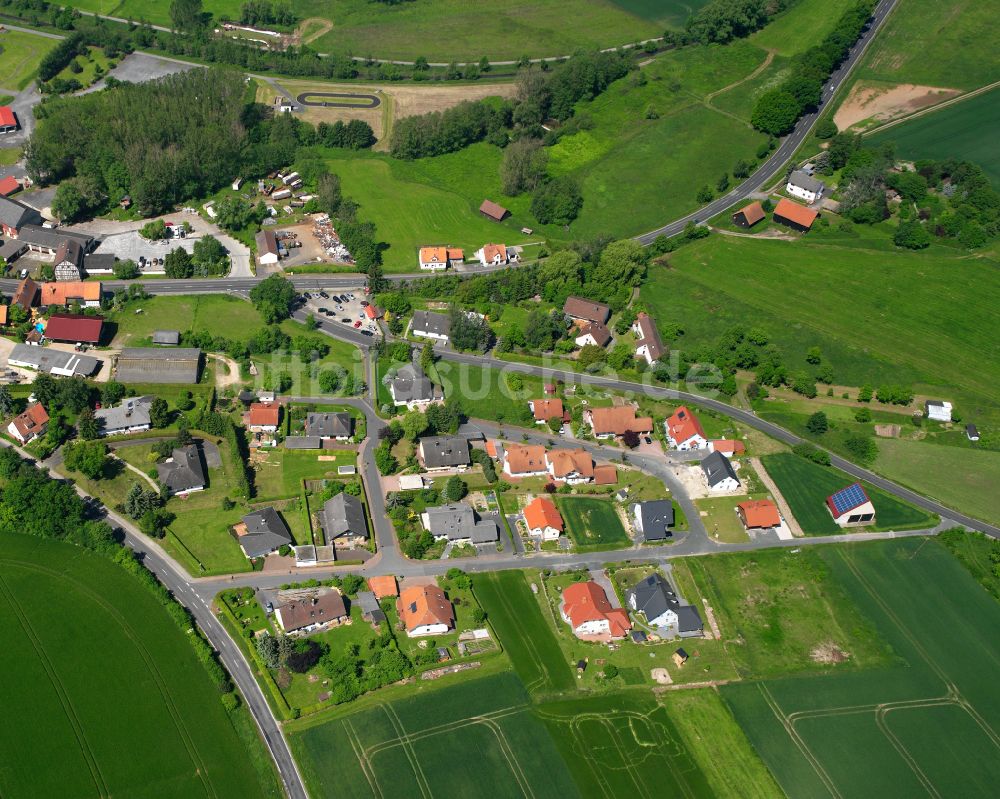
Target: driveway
x=600 y=577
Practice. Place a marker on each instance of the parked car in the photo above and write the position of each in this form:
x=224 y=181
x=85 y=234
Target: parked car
x=324 y=295
x=357 y=324
x=367 y=333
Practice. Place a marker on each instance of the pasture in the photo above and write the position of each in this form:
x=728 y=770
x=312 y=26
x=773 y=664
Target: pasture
x=928 y=326
x=124 y=701
x=476 y=737
x=593 y=524
x=800 y=26
x=967 y=129
x=806 y=485
x=926 y=723
x=20 y=56
x=788 y=612
x=523 y=632
x=222 y=315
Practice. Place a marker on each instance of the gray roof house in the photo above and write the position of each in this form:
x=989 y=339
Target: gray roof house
x=344 y=515
x=370 y=610
x=14 y=215
x=411 y=387
x=444 y=452
x=48 y=240
x=69 y=260
x=131 y=416
x=458 y=523
x=431 y=325
x=719 y=472
x=803 y=185
x=656 y=599
x=654 y=519
x=167 y=338
x=262 y=532
x=330 y=425
x=183 y=472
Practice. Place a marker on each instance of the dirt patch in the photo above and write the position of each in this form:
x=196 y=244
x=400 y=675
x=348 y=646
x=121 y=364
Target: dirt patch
x=661 y=676
x=829 y=653
x=888 y=430
x=870 y=102
x=310 y=30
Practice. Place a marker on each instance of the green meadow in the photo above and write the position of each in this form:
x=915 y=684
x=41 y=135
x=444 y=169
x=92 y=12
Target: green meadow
x=20 y=56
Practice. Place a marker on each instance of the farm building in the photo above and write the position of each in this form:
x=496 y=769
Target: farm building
x=267 y=247
x=684 y=431
x=29 y=425
x=47 y=241
x=492 y=255
x=657 y=601
x=759 y=514
x=11 y=250
x=570 y=466
x=610 y=422
x=793 y=215
x=166 y=338
x=434 y=259
x=938 y=410
x=183 y=471
x=444 y=452
x=458 y=523
x=541 y=517
x=56 y=362
x=805 y=186
x=428 y=324
x=749 y=215
x=719 y=473
x=524 y=461
x=493 y=211
x=311 y=613
x=153 y=365
x=9 y=186
x=343 y=520
x=650 y=345
x=70 y=292
x=583 y=310
x=425 y=610
x=594 y=333
x=131 y=416
x=74 y=328
x=851 y=507
x=586 y=609
x=337 y=426
x=262 y=532
x=654 y=519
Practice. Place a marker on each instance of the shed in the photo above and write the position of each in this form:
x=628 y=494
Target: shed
x=749 y=215
x=493 y=211
x=680 y=657
x=166 y=338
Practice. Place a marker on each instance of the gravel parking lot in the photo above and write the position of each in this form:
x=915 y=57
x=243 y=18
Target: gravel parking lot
x=131 y=245
x=351 y=309
x=139 y=67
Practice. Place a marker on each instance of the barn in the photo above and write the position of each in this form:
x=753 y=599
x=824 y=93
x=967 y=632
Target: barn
x=793 y=215
x=153 y=365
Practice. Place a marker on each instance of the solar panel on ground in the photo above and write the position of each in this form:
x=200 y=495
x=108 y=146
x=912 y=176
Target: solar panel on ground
x=848 y=498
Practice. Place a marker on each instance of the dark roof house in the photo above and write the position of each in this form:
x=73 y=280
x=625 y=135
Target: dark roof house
x=329 y=425
x=718 y=469
x=14 y=215
x=579 y=308
x=442 y=452
x=458 y=522
x=262 y=532
x=654 y=519
x=344 y=515
x=656 y=599
x=183 y=470
x=428 y=323
x=411 y=385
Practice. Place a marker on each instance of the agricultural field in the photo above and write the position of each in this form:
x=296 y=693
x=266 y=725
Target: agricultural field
x=806 y=485
x=593 y=524
x=924 y=723
x=124 y=700
x=20 y=55
x=960 y=477
x=525 y=636
x=968 y=129
x=927 y=42
x=477 y=736
x=924 y=328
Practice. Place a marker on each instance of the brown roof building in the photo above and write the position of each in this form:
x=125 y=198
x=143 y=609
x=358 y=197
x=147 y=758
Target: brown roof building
x=759 y=514
x=310 y=613
x=605 y=475
x=545 y=409
x=574 y=465
x=595 y=333
x=588 y=311
x=650 y=345
x=793 y=215
x=383 y=586
x=29 y=425
x=491 y=210
x=25 y=294
x=263 y=415
x=749 y=215
x=522 y=461
x=68 y=292
x=617 y=421
x=425 y=610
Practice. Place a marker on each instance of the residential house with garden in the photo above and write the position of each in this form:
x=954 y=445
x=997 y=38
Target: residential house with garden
x=409 y=387
x=316 y=611
x=649 y=345
x=458 y=523
x=759 y=514
x=30 y=424
x=183 y=472
x=542 y=518
x=586 y=609
x=343 y=521
x=571 y=466
x=804 y=186
x=262 y=532
x=616 y=421
x=684 y=431
x=435 y=259
x=523 y=460
x=326 y=426
x=719 y=473
x=851 y=506
x=444 y=453
x=130 y=416
x=492 y=255
x=655 y=599
x=653 y=519
x=427 y=324
x=425 y=610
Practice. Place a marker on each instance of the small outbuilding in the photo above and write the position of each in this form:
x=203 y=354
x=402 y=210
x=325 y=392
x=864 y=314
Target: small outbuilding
x=493 y=211
x=749 y=215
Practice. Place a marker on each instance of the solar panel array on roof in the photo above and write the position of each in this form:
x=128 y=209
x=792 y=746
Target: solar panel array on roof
x=849 y=498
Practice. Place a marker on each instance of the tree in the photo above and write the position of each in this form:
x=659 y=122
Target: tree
x=125 y=270
x=912 y=235
x=817 y=424
x=329 y=381
x=557 y=202
x=112 y=392
x=273 y=298
x=6 y=401
x=862 y=448
x=159 y=413
x=328 y=193
x=590 y=355
x=775 y=112
x=209 y=256
x=178 y=264
x=154 y=230
x=455 y=489
x=813 y=355
x=623 y=263
x=385 y=461
x=427 y=357
x=235 y=213
x=863 y=415
x=866 y=393
x=826 y=129
x=414 y=423
x=630 y=439
x=87 y=425
x=186 y=15
x=705 y=195
x=523 y=166
x=87 y=457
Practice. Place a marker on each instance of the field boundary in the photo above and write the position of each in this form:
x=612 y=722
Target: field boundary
x=931 y=109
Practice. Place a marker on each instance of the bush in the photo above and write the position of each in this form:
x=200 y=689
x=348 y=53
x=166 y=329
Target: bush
x=812 y=453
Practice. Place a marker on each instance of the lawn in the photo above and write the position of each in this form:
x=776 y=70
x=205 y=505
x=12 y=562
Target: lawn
x=968 y=129
x=777 y=608
x=124 y=700
x=931 y=43
x=280 y=476
x=928 y=326
x=721 y=519
x=963 y=478
x=525 y=636
x=222 y=315
x=934 y=708
x=486 y=393
x=593 y=524
x=89 y=64
x=477 y=737
x=806 y=485
x=20 y=56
